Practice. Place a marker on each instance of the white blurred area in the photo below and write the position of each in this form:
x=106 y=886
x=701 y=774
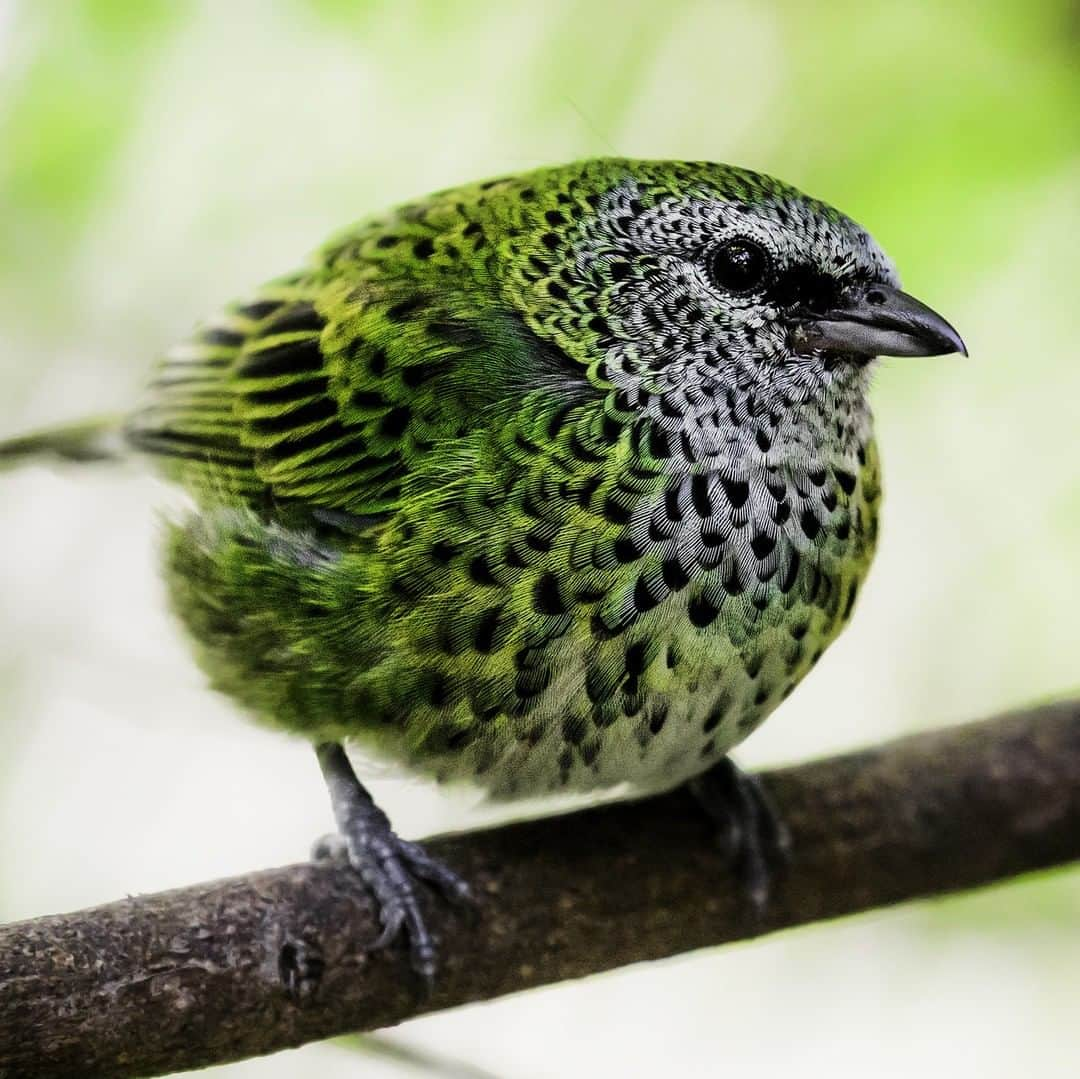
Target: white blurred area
x=261 y=131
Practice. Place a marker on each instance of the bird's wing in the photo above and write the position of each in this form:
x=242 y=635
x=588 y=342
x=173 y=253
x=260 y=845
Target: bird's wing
x=326 y=390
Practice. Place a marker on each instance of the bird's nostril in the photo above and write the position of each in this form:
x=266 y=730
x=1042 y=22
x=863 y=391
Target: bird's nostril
x=875 y=296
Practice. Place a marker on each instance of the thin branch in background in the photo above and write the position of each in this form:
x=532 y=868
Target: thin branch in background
x=412 y=1058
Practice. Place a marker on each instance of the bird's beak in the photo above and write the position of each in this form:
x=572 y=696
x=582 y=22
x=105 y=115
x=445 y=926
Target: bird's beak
x=876 y=320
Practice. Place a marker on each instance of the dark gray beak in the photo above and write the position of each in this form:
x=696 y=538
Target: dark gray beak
x=876 y=320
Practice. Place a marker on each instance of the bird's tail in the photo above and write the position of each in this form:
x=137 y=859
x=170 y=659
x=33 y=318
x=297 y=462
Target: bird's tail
x=98 y=439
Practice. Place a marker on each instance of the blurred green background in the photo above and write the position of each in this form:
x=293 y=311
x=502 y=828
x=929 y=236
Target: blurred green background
x=160 y=157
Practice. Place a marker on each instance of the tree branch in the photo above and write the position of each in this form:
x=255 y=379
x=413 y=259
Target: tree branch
x=227 y=970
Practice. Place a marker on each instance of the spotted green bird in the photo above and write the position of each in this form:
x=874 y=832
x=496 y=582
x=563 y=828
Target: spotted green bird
x=548 y=483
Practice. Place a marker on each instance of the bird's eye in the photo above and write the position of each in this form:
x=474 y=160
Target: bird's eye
x=739 y=265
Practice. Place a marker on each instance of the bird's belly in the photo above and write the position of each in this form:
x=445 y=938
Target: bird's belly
x=695 y=695
x=522 y=687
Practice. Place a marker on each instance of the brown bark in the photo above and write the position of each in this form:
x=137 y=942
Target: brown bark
x=231 y=969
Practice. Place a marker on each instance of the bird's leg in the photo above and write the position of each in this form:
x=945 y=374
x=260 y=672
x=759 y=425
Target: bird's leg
x=748 y=826
x=389 y=866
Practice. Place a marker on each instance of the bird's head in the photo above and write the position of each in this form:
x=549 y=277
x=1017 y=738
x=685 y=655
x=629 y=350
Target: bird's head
x=706 y=295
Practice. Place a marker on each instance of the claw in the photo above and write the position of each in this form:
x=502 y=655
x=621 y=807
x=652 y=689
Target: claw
x=391 y=868
x=392 y=922
x=751 y=833
x=453 y=888
x=330 y=848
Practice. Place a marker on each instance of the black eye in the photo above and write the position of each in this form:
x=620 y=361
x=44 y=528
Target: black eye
x=739 y=265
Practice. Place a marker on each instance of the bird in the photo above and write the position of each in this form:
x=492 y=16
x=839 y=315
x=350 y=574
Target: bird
x=556 y=482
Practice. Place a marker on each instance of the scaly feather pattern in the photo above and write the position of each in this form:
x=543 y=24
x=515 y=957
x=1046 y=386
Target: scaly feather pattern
x=511 y=486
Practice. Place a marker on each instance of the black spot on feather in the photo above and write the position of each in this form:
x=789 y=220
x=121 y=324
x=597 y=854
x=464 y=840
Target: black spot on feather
x=547 y=598
x=299 y=317
x=289 y=358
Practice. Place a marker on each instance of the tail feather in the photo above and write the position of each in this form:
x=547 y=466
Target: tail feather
x=98 y=439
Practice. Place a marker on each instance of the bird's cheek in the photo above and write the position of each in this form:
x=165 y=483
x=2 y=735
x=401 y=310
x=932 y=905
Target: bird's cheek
x=769 y=338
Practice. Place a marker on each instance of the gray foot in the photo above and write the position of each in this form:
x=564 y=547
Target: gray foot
x=748 y=828
x=390 y=867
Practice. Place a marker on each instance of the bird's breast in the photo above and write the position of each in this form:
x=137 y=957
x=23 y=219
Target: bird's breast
x=618 y=626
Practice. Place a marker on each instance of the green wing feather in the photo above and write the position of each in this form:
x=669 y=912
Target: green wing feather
x=401 y=343
x=324 y=389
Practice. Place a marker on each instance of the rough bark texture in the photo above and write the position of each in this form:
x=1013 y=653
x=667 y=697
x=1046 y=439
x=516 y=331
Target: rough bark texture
x=235 y=968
